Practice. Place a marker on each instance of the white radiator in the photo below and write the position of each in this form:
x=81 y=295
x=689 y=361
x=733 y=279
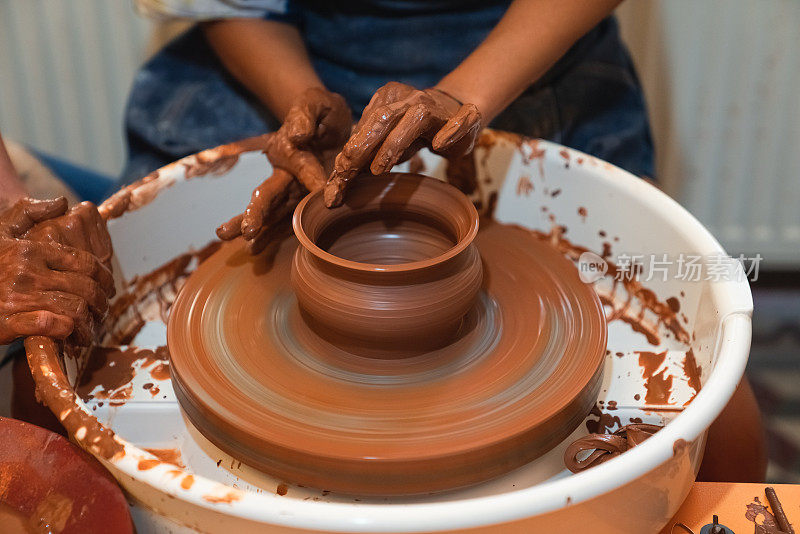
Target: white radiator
x=65 y=71
x=722 y=79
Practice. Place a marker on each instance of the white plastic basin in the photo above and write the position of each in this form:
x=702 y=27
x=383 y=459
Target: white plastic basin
x=636 y=492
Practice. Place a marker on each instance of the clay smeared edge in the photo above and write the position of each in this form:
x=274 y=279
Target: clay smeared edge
x=52 y=386
x=463 y=241
x=54 y=390
x=215 y=161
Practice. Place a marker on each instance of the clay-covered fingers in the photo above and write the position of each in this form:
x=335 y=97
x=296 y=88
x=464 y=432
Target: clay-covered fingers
x=266 y=198
x=457 y=137
x=391 y=92
x=35 y=323
x=416 y=122
x=231 y=229
x=97 y=235
x=81 y=227
x=80 y=257
x=360 y=149
x=70 y=259
x=79 y=285
x=301 y=163
x=37 y=301
x=316 y=126
x=386 y=108
x=303 y=121
x=85 y=229
x=319 y=118
x=23 y=215
x=58 y=304
x=267 y=233
x=398 y=121
x=55 y=277
x=36 y=267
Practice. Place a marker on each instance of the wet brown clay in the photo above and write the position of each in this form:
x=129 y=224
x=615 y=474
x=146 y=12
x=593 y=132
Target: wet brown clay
x=393 y=269
x=255 y=377
x=605 y=446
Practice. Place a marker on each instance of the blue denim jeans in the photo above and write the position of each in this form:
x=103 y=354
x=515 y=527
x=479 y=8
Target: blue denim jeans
x=183 y=100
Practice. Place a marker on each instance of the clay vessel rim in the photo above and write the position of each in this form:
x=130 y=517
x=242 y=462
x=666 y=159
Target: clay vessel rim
x=462 y=244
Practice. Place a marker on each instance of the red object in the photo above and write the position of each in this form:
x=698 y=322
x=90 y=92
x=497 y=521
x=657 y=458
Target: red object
x=45 y=481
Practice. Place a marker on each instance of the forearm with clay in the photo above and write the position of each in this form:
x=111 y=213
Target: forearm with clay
x=270 y=59
x=400 y=119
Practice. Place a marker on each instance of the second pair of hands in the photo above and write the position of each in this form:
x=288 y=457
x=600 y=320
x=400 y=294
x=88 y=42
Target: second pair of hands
x=318 y=147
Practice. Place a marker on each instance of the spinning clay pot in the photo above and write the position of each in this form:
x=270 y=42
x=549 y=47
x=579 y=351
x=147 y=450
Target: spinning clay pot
x=393 y=268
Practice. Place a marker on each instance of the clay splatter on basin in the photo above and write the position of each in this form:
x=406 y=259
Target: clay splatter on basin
x=138 y=325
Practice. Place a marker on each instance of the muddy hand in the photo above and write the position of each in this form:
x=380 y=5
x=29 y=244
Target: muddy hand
x=55 y=278
x=398 y=121
x=301 y=153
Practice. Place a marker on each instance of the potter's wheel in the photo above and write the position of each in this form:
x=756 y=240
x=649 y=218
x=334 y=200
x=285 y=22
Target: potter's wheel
x=257 y=381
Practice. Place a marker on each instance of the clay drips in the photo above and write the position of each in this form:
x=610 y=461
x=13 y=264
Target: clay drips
x=226 y=498
x=658 y=386
x=605 y=422
x=693 y=372
x=148 y=297
x=650 y=362
x=619 y=307
x=170 y=456
x=762 y=518
x=110 y=370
